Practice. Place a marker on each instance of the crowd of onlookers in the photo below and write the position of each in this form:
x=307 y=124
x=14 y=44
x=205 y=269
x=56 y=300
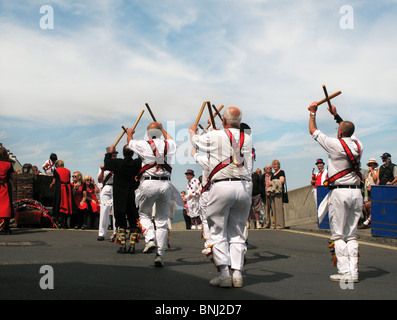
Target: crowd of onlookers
x=269 y=192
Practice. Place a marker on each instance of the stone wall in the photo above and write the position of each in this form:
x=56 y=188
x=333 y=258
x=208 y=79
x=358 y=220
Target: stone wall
x=301 y=207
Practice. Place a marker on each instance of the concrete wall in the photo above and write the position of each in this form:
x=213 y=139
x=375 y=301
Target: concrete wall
x=301 y=207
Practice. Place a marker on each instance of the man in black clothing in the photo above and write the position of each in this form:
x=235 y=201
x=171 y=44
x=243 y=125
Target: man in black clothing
x=124 y=185
x=388 y=171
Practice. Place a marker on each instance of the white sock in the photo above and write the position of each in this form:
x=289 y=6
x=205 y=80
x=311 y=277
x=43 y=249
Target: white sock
x=224 y=271
x=237 y=274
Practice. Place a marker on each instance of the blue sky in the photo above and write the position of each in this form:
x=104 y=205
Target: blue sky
x=69 y=89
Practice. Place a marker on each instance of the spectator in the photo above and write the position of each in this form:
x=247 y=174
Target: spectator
x=277 y=198
x=6 y=208
x=36 y=170
x=256 y=204
x=188 y=221
x=90 y=208
x=387 y=171
x=62 y=208
x=49 y=165
x=266 y=183
x=78 y=195
x=371 y=180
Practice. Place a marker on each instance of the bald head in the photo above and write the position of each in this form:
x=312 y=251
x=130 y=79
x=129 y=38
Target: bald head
x=232 y=117
x=154 y=130
x=346 y=129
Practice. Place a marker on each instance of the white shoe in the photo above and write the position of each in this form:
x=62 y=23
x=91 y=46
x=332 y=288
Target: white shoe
x=193 y=227
x=158 y=262
x=206 y=251
x=150 y=246
x=221 y=282
x=237 y=282
x=343 y=277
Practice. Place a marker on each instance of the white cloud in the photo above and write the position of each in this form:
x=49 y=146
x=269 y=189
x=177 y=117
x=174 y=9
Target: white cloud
x=104 y=60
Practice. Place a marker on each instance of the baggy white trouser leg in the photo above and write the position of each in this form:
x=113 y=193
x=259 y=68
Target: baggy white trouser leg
x=342 y=258
x=203 y=214
x=106 y=197
x=352 y=251
x=227 y=212
x=148 y=193
x=345 y=208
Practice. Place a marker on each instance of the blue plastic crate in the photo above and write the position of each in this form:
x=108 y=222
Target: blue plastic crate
x=384 y=211
x=322 y=192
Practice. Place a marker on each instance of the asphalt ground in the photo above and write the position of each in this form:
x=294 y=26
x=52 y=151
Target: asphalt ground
x=288 y=264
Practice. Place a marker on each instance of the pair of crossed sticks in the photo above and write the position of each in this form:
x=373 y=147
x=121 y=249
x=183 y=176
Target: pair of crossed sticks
x=211 y=120
x=136 y=123
x=328 y=98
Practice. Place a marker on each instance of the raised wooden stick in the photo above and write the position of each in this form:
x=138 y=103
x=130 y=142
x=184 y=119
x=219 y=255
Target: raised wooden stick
x=200 y=113
x=217 y=113
x=150 y=111
x=125 y=130
x=328 y=98
x=211 y=114
x=121 y=135
x=137 y=120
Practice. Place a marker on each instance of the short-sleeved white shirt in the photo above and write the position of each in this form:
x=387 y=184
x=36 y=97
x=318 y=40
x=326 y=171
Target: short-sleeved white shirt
x=337 y=158
x=143 y=149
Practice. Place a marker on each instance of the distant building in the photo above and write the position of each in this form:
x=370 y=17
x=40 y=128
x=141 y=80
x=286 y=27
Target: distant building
x=15 y=163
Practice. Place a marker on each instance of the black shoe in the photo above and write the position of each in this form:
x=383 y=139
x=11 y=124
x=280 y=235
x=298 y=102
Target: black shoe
x=101 y=238
x=122 y=250
x=131 y=250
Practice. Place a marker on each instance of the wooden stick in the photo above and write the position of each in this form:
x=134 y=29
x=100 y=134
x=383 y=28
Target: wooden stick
x=137 y=120
x=326 y=96
x=217 y=113
x=150 y=111
x=121 y=135
x=211 y=114
x=125 y=130
x=200 y=113
x=329 y=98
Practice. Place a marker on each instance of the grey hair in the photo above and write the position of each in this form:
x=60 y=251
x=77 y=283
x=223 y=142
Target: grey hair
x=231 y=119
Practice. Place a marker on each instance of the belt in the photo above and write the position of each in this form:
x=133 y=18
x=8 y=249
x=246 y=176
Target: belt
x=344 y=187
x=157 y=178
x=228 y=179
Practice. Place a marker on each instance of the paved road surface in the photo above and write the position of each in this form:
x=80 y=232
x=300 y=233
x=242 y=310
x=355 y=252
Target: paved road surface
x=281 y=264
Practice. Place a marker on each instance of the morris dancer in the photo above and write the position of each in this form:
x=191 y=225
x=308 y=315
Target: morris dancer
x=344 y=199
x=155 y=186
x=229 y=198
x=124 y=185
x=49 y=165
x=203 y=161
x=105 y=177
x=6 y=208
x=62 y=207
x=319 y=177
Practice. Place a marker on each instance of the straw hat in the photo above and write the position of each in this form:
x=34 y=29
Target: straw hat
x=372 y=160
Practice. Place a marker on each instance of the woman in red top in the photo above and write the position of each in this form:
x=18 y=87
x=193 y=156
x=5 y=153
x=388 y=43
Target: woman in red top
x=90 y=205
x=6 y=171
x=78 y=196
x=63 y=194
